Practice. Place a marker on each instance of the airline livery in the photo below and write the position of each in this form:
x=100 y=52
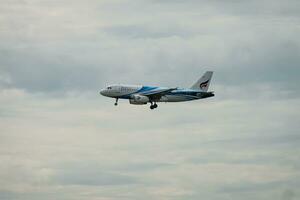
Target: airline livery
x=140 y=95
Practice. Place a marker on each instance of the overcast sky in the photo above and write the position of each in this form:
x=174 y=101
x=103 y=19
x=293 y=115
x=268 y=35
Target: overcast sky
x=59 y=139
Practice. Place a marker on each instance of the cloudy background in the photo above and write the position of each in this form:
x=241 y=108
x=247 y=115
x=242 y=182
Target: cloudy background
x=59 y=139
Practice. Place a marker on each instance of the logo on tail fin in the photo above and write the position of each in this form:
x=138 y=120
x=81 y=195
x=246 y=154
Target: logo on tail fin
x=204 y=84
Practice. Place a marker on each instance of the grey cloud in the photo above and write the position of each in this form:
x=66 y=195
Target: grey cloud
x=43 y=73
x=86 y=177
x=148 y=31
x=242 y=51
x=240 y=8
x=275 y=185
x=288 y=194
x=140 y=167
x=263 y=140
x=161 y=160
x=241 y=144
x=7 y=195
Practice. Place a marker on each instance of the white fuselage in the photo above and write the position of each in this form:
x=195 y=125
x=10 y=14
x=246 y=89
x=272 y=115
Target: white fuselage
x=129 y=91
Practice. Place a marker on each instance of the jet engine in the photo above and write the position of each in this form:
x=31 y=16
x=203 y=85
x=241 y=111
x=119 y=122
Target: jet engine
x=138 y=99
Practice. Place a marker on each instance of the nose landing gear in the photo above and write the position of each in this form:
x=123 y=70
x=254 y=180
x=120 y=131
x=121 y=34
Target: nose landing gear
x=116 y=102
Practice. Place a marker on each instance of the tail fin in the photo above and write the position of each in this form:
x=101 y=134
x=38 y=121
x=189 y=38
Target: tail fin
x=203 y=82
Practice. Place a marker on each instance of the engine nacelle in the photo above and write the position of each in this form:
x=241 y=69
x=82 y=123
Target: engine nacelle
x=138 y=99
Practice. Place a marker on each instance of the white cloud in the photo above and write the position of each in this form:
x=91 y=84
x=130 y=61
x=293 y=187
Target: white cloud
x=53 y=145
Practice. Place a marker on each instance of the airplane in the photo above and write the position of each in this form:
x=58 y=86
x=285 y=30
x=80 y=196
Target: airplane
x=141 y=95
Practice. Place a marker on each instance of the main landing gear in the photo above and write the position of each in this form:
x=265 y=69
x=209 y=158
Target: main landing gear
x=116 y=102
x=153 y=106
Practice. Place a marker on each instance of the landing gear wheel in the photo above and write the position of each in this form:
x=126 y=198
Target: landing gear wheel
x=153 y=106
x=116 y=102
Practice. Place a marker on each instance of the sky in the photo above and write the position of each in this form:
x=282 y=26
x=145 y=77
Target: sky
x=59 y=139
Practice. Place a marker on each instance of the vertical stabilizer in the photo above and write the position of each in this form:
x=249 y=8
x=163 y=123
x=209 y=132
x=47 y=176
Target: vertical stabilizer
x=203 y=82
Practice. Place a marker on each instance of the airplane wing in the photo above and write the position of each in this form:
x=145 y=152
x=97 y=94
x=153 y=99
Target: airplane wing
x=157 y=94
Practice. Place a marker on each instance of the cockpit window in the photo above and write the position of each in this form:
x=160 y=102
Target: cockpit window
x=109 y=88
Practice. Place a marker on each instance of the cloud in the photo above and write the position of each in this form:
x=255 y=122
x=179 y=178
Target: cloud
x=61 y=140
x=83 y=52
x=288 y=194
x=71 y=144
x=84 y=177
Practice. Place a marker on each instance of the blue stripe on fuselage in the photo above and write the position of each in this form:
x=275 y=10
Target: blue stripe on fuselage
x=146 y=88
x=182 y=92
x=187 y=93
x=143 y=89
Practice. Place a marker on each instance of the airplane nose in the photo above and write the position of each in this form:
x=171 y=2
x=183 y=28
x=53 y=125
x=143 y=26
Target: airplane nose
x=102 y=92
